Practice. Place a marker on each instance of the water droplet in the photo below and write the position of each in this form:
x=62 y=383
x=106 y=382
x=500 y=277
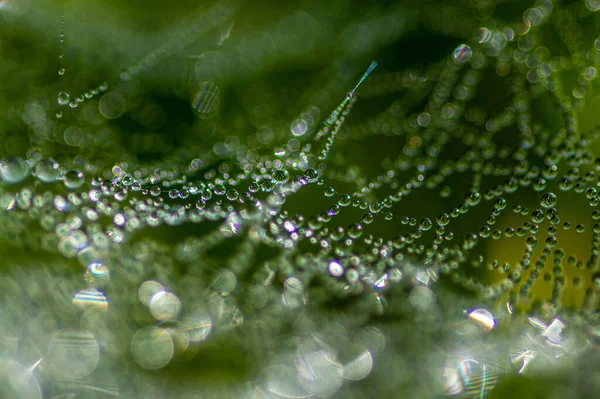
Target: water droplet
x=13 y=170
x=207 y=99
x=48 y=170
x=63 y=98
x=73 y=179
x=548 y=200
x=462 y=54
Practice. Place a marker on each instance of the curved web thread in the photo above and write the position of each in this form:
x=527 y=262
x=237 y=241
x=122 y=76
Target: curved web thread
x=336 y=119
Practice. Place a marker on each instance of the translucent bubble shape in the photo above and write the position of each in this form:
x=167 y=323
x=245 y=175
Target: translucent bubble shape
x=462 y=54
x=90 y=299
x=147 y=290
x=224 y=281
x=196 y=323
x=165 y=306
x=152 y=348
x=592 y=5
x=370 y=338
x=207 y=100
x=319 y=373
x=73 y=179
x=97 y=274
x=483 y=318
x=293 y=293
x=63 y=98
x=359 y=367
x=112 y=105
x=13 y=170
x=282 y=381
x=47 y=171
x=73 y=354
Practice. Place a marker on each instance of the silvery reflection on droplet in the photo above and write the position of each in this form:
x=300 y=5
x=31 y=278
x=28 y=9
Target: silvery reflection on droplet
x=18 y=381
x=13 y=170
x=521 y=359
x=298 y=127
x=73 y=179
x=47 y=171
x=483 y=318
x=165 y=306
x=196 y=323
x=359 y=367
x=370 y=338
x=7 y=201
x=381 y=282
x=147 y=290
x=73 y=353
x=293 y=293
x=462 y=54
x=63 y=98
x=395 y=274
x=553 y=332
x=90 y=298
x=335 y=268
x=424 y=276
x=152 y=347
x=319 y=373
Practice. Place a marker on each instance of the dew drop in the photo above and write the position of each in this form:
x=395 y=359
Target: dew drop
x=13 y=170
x=63 y=98
x=462 y=54
x=73 y=179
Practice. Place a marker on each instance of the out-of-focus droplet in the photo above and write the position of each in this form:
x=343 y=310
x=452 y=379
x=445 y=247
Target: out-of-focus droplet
x=359 y=367
x=165 y=306
x=335 y=268
x=48 y=170
x=90 y=298
x=13 y=170
x=196 y=323
x=73 y=354
x=112 y=105
x=152 y=348
x=147 y=290
x=63 y=98
x=224 y=281
x=483 y=318
x=97 y=274
x=370 y=338
x=319 y=373
x=207 y=99
x=293 y=293
x=462 y=54
x=73 y=179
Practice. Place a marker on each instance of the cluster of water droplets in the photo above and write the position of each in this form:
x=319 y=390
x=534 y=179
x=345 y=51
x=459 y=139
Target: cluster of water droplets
x=251 y=258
